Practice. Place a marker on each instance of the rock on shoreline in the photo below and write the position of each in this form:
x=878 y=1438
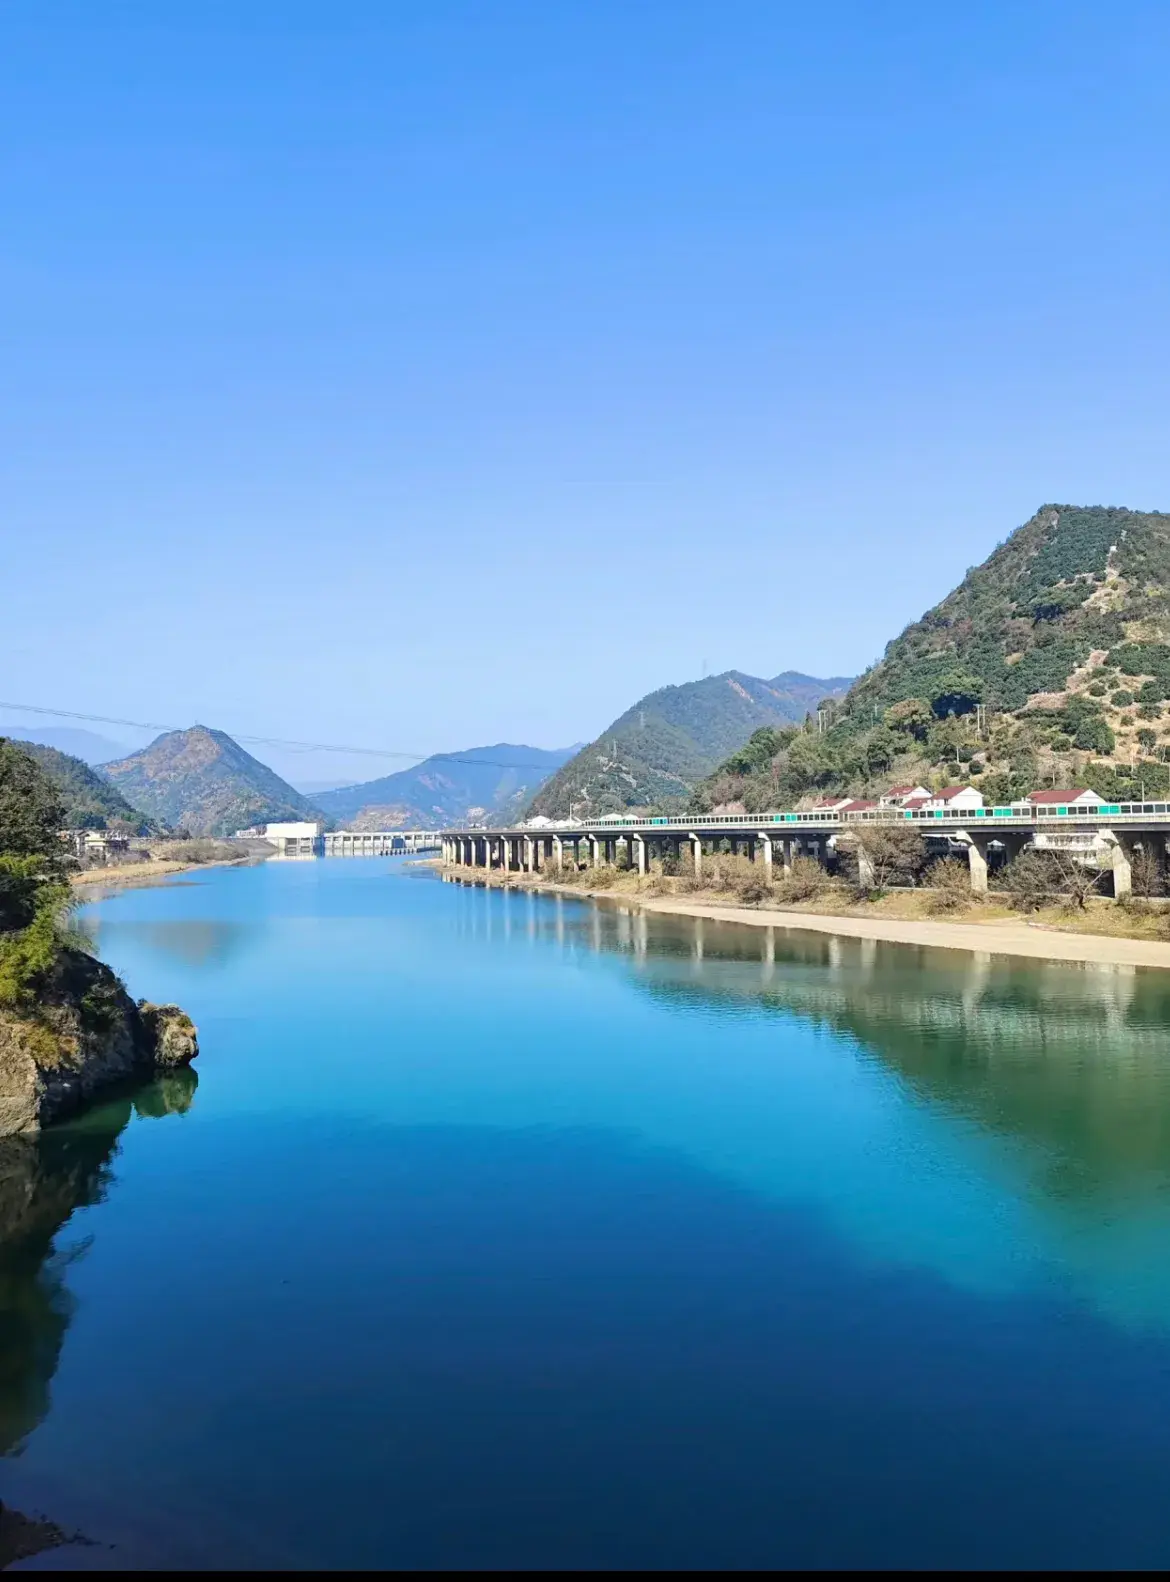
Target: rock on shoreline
x=84 y=1035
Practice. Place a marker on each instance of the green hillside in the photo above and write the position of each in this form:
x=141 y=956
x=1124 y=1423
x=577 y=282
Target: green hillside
x=489 y=784
x=1049 y=663
x=202 y=781
x=656 y=752
x=89 y=801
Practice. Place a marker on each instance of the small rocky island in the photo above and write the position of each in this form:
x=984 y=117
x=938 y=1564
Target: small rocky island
x=68 y=1028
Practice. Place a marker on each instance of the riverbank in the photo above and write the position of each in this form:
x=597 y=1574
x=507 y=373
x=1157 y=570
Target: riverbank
x=130 y=875
x=1096 y=936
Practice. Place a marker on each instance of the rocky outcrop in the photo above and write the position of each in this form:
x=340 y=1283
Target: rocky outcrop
x=84 y=1035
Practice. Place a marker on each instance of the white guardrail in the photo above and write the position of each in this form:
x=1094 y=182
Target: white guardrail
x=1110 y=812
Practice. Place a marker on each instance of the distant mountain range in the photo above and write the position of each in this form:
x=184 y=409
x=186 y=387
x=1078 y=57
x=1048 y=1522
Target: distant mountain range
x=490 y=784
x=86 y=745
x=91 y=802
x=203 y=781
x=657 y=751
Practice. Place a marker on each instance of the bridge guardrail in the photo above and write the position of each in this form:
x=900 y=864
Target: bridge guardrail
x=1027 y=817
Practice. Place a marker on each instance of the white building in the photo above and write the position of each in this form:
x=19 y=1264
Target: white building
x=954 y=798
x=295 y=840
x=898 y=796
x=1075 y=796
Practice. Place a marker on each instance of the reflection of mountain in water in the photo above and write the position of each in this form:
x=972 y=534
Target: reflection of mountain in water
x=44 y=1179
x=195 y=942
x=1072 y=1062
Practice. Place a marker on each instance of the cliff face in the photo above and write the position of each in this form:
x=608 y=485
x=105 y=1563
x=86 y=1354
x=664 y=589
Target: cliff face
x=86 y=1034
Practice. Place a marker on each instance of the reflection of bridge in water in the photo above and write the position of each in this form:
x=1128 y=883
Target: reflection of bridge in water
x=1070 y=1062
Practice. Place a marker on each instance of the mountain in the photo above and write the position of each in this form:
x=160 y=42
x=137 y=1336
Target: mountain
x=1048 y=664
x=654 y=754
x=90 y=802
x=202 y=781
x=488 y=783
x=86 y=745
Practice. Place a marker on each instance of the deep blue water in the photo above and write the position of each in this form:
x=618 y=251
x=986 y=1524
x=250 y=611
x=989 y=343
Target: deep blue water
x=507 y=1231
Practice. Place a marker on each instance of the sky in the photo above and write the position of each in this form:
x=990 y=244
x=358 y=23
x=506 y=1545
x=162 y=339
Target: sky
x=414 y=374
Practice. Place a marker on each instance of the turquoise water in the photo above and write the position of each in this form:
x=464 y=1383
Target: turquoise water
x=511 y=1231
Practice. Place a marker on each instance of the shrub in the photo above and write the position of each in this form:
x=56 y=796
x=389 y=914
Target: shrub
x=805 y=880
x=1036 y=877
x=1146 y=872
x=1121 y=699
x=895 y=853
x=1098 y=689
x=949 y=886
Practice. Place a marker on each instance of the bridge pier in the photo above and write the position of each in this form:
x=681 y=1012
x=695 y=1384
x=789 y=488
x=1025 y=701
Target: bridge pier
x=765 y=842
x=866 y=876
x=976 y=858
x=696 y=855
x=640 y=854
x=1121 y=850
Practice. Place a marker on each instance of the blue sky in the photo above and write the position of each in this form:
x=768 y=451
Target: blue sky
x=425 y=374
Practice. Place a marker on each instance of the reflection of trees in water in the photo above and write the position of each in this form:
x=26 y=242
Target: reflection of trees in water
x=44 y=1179
x=194 y=942
x=1073 y=1062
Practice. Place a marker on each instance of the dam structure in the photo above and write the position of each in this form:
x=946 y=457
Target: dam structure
x=774 y=839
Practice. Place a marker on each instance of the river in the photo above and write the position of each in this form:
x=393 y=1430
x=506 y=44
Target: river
x=501 y=1230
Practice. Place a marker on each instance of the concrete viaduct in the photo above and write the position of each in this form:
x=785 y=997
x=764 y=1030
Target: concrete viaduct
x=775 y=838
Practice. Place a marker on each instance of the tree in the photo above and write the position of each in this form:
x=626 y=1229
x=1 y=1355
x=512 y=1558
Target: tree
x=1035 y=877
x=33 y=862
x=957 y=693
x=894 y=853
x=31 y=813
x=912 y=715
x=881 y=748
x=1145 y=871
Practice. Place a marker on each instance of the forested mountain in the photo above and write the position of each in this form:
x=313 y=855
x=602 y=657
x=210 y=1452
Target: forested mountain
x=1050 y=661
x=203 y=781
x=482 y=783
x=656 y=752
x=89 y=801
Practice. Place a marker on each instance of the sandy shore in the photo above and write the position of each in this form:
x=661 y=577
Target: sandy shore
x=127 y=875
x=994 y=936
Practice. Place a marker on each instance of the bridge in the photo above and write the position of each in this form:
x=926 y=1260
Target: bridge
x=381 y=842
x=776 y=838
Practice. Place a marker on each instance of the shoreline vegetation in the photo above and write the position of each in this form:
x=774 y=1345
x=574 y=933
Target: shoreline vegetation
x=1101 y=932
x=163 y=859
x=69 y=1029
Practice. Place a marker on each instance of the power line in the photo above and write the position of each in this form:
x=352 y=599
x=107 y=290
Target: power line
x=272 y=741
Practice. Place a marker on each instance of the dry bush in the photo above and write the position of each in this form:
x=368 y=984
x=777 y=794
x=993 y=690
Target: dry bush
x=804 y=881
x=1037 y=877
x=198 y=849
x=1146 y=872
x=896 y=852
x=603 y=878
x=949 y=886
